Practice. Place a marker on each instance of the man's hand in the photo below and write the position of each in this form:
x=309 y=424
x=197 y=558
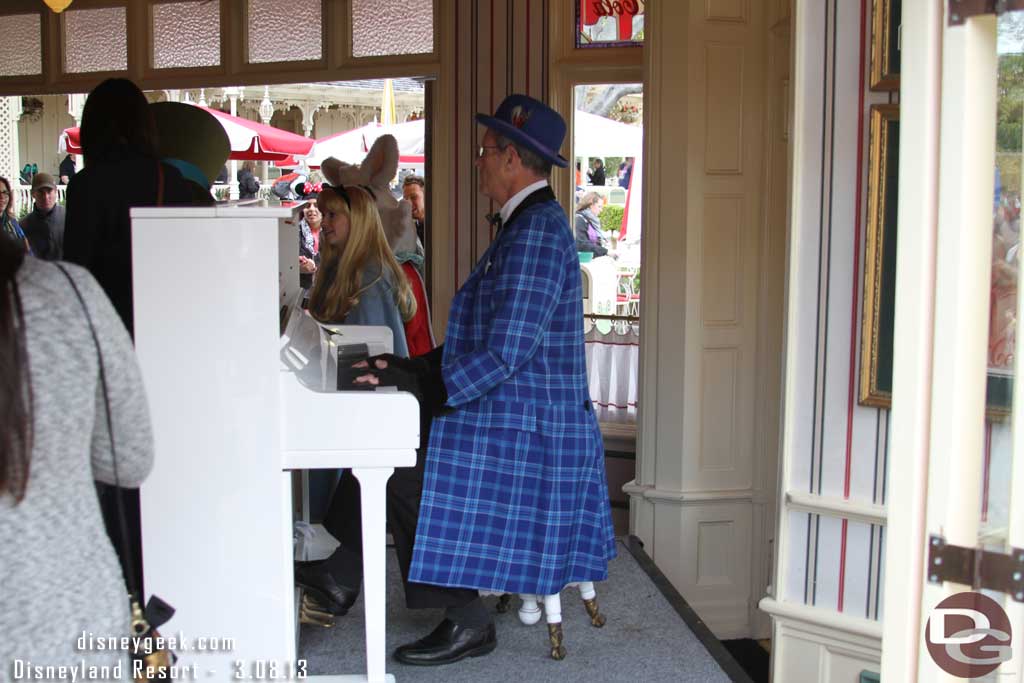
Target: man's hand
x=414 y=375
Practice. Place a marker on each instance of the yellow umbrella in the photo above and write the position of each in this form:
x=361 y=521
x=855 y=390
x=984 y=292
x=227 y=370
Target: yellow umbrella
x=387 y=104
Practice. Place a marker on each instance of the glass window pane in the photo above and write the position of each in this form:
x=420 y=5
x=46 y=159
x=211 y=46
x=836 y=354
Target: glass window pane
x=392 y=27
x=1006 y=259
x=186 y=34
x=285 y=31
x=20 y=50
x=95 y=40
x=609 y=23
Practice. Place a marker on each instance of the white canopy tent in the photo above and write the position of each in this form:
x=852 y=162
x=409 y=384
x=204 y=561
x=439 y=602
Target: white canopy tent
x=597 y=136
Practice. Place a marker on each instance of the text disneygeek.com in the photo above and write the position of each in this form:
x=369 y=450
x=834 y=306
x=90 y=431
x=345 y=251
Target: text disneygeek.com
x=121 y=667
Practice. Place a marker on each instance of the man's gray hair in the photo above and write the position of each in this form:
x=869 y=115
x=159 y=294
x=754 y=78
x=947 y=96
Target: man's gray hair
x=530 y=159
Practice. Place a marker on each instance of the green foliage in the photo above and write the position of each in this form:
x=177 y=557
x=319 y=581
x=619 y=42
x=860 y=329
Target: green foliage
x=1010 y=103
x=611 y=217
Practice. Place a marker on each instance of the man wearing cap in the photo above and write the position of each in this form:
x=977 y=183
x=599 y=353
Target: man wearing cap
x=44 y=226
x=514 y=497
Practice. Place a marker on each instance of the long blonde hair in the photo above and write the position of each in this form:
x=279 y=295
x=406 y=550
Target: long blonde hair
x=340 y=281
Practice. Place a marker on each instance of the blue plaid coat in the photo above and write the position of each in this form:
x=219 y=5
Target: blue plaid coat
x=514 y=492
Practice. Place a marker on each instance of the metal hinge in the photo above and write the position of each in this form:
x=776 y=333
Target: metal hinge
x=976 y=567
x=962 y=10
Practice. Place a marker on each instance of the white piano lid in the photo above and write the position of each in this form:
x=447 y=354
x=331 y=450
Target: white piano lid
x=246 y=208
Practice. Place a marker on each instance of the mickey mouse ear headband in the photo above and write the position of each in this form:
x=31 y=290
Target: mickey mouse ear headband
x=307 y=190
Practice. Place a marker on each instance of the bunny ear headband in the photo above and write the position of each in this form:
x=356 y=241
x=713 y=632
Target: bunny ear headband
x=343 y=193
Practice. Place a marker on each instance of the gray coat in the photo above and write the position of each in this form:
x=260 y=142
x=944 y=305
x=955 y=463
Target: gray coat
x=60 y=574
x=45 y=233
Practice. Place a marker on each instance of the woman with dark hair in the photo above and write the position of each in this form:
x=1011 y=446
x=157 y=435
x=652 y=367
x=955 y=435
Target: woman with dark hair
x=8 y=223
x=588 y=225
x=122 y=170
x=309 y=243
x=248 y=186
x=60 y=570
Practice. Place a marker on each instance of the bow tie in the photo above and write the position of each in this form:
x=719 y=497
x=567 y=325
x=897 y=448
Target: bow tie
x=495 y=220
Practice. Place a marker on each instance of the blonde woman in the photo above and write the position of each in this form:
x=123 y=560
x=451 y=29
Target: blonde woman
x=359 y=282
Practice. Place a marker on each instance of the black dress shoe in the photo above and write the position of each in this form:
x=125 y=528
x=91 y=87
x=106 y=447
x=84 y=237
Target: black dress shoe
x=317 y=580
x=448 y=643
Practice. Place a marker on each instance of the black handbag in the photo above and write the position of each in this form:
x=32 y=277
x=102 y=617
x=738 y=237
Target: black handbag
x=150 y=659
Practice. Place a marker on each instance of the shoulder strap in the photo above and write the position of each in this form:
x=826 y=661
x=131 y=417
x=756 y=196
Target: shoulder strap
x=126 y=548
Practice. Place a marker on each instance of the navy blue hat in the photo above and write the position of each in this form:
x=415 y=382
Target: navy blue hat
x=530 y=123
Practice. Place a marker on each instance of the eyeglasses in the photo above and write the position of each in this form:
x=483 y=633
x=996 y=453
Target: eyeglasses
x=480 y=150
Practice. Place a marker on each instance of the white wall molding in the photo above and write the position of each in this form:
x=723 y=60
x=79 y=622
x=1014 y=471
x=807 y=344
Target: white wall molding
x=660 y=495
x=832 y=506
x=818 y=617
x=814 y=644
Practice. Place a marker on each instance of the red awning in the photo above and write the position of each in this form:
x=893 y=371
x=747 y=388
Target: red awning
x=249 y=139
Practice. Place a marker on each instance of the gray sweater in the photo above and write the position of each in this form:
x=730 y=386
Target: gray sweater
x=59 y=576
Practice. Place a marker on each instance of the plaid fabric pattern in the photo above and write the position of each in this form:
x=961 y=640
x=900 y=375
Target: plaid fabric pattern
x=514 y=494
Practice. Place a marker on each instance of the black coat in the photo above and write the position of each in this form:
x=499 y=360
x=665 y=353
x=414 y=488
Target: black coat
x=596 y=176
x=97 y=226
x=248 y=186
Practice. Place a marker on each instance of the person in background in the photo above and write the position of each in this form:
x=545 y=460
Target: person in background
x=309 y=241
x=248 y=185
x=414 y=191
x=359 y=283
x=588 y=224
x=595 y=176
x=625 y=172
x=579 y=174
x=44 y=225
x=67 y=169
x=54 y=442
x=122 y=170
x=8 y=223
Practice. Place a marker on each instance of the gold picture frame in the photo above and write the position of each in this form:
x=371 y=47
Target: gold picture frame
x=885 y=44
x=880 y=258
x=879 y=302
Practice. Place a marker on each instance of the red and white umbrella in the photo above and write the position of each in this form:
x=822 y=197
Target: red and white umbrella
x=249 y=139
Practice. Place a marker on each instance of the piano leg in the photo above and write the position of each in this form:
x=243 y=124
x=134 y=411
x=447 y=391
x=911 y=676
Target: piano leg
x=373 y=485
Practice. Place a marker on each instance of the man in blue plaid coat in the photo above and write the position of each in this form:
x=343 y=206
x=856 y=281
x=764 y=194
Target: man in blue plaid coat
x=514 y=497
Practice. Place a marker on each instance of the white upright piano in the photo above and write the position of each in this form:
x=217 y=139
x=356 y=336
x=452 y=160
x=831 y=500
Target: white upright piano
x=239 y=401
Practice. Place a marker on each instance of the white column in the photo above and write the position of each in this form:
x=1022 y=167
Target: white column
x=232 y=95
x=266 y=113
x=10 y=112
x=912 y=346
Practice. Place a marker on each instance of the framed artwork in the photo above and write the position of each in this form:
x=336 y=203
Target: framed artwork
x=879 y=305
x=885 y=44
x=880 y=257
x=609 y=23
